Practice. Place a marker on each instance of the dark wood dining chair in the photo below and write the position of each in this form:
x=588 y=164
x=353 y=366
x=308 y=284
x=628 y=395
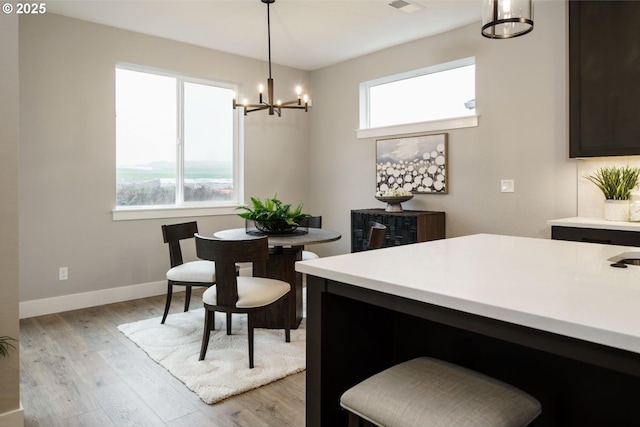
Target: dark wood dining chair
x=187 y=274
x=311 y=222
x=240 y=294
x=377 y=233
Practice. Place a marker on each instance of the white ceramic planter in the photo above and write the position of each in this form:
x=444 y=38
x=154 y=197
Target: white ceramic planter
x=634 y=211
x=616 y=210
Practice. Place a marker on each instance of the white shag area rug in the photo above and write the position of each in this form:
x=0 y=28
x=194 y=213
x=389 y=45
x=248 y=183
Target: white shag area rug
x=225 y=370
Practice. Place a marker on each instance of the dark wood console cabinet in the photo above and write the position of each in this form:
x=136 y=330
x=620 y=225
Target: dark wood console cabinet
x=402 y=227
x=604 y=70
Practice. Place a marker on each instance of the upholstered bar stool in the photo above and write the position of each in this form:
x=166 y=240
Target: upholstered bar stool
x=426 y=392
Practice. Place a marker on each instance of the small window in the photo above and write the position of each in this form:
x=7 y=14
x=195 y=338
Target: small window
x=176 y=141
x=441 y=92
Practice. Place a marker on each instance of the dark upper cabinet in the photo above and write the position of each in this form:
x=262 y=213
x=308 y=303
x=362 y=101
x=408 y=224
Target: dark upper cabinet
x=604 y=72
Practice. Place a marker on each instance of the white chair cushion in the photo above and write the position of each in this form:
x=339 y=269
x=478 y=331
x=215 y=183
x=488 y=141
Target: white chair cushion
x=252 y=292
x=193 y=271
x=307 y=255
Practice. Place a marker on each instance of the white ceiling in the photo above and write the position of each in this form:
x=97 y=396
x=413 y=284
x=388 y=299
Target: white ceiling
x=305 y=34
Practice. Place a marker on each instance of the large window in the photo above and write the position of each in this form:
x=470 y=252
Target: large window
x=438 y=93
x=176 y=141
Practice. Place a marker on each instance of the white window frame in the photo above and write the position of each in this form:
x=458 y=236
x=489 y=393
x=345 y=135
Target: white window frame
x=365 y=131
x=120 y=213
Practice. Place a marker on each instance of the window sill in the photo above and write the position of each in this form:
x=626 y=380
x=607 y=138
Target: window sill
x=436 y=125
x=137 y=213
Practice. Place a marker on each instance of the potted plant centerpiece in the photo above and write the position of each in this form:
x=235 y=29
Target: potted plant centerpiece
x=616 y=184
x=272 y=216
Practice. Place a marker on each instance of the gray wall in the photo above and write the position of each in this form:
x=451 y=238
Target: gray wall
x=67 y=143
x=9 y=325
x=522 y=101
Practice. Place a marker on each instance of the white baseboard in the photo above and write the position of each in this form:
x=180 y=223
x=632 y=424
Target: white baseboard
x=13 y=418
x=62 y=303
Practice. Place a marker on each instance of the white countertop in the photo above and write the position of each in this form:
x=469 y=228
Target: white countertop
x=558 y=286
x=584 y=222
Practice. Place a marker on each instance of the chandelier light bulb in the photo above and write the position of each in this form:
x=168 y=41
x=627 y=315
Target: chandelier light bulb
x=506 y=8
x=260 y=88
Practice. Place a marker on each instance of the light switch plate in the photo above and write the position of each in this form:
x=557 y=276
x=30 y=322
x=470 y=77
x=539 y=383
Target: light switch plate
x=507 y=186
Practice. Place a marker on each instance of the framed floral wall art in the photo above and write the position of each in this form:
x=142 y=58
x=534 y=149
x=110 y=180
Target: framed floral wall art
x=415 y=163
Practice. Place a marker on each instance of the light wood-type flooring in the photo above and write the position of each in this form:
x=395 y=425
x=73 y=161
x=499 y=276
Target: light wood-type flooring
x=77 y=369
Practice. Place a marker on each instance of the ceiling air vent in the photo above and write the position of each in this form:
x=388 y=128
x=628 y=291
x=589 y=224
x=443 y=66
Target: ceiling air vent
x=404 y=6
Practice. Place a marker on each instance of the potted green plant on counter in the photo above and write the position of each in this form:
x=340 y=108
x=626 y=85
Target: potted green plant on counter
x=272 y=216
x=616 y=184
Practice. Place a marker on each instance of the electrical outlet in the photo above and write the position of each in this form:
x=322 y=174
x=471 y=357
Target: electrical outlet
x=63 y=273
x=507 y=186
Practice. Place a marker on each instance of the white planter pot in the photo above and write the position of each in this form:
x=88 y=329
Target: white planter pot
x=616 y=210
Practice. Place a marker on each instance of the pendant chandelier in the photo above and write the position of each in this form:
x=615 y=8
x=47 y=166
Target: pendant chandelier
x=505 y=19
x=270 y=104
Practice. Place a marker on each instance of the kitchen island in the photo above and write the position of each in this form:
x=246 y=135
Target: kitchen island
x=550 y=317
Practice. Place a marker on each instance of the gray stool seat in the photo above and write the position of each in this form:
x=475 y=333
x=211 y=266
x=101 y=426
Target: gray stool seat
x=426 y=392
